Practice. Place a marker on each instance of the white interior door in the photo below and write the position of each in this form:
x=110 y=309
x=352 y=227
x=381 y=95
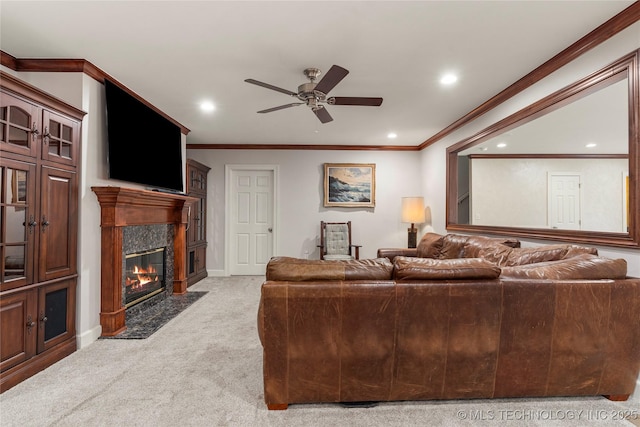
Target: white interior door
x=564 y=201
x=250 y=214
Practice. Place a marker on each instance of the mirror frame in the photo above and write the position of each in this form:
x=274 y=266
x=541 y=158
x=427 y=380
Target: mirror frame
x=610 y=74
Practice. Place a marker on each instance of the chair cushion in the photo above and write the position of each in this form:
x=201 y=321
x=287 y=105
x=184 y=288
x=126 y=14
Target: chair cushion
x=337 y=239
x=585 y=266
x=407 y=268
x=296 y=269
x=337 y=257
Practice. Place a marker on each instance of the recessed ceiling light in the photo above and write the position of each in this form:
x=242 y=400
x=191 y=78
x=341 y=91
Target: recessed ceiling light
x=448 y=79
x=392 y=135
x=502 y=145
x=591 y=145
x=207 y=106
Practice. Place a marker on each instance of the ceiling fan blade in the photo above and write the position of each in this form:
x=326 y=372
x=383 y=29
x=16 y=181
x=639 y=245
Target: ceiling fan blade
x=331 y=79
x=353 y=100
x=323 y=115
x=272 y=87
x=282 y=107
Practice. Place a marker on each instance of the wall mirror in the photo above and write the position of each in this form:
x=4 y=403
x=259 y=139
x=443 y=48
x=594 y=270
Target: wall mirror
x=564 y=168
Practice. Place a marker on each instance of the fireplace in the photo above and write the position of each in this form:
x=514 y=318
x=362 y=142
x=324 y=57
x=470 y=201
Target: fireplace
x=144 y=275
x=138 y=221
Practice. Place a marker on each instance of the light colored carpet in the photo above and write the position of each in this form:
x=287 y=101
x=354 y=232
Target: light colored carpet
x=204 y=368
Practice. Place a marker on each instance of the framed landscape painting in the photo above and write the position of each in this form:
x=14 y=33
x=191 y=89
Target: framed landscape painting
x=350 y=185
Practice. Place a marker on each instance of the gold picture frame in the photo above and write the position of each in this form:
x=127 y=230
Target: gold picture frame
x=350 y=185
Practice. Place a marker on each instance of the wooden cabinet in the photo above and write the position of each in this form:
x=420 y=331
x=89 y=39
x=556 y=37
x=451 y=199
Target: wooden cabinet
x=58 y=223
x=29 y=129
x=197 y=227
x=17 y=328
x=39 y=152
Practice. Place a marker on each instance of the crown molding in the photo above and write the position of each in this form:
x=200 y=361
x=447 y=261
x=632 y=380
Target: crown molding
x=302 y=147
x=613 y=26
x=57 y=65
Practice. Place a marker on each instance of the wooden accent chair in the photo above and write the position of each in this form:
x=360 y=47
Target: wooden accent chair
x=335 y=241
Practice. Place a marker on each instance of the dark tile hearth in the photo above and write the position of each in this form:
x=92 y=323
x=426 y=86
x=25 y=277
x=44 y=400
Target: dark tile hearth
x=144 y=324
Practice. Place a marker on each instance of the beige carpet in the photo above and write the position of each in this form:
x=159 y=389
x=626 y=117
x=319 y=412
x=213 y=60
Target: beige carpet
x=204 y=368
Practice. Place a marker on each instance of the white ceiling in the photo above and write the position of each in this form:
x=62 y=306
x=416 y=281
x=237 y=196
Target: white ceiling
x=177 y=53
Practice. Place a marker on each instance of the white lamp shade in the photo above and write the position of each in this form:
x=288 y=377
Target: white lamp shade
x=413 y=210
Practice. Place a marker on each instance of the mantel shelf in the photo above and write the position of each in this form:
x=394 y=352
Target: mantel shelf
x=127 y=206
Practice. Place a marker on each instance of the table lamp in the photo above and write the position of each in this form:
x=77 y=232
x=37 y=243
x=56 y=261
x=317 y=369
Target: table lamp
x=413 y=213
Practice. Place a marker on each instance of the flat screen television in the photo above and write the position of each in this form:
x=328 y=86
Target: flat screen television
x=144 y=147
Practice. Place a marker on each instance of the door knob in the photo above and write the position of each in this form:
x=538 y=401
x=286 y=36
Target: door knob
x=270 y=230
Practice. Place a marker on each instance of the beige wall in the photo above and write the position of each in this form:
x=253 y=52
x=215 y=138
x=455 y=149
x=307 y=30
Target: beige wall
x=300 y=199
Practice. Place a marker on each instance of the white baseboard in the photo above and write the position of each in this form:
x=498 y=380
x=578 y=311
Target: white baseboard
x=89 y=336
x=216 y=273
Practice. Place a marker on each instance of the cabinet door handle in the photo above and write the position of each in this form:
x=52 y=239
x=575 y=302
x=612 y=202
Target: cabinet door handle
x=45 y=223
x=30 y=324
x=34 y=131
x=31 y=224
x=47 y=134
x=43 y=318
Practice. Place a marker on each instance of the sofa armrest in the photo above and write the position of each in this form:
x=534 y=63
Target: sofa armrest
x=391 y=253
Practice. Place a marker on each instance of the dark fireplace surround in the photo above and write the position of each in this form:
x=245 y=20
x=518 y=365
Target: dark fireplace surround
x=142 y=244
x=125 y=209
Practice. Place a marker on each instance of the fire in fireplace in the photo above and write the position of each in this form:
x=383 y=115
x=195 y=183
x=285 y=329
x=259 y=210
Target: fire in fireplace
x=144 y=275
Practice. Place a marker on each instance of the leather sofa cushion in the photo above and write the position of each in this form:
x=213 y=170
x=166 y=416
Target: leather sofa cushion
x=497 y=254
x=536 y=254
x=451 y=246
x=430 y=246
x=406 y=268
x=475 y=244
x=523 y=256
x=574 y=250
x=584 y=266
x=300 y=270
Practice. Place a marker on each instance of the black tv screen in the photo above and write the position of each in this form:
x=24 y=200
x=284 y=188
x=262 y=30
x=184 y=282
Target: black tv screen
x=144 y=147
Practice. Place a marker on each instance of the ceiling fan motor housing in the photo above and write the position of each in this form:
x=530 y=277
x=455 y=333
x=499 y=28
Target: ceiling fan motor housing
x=308 y=94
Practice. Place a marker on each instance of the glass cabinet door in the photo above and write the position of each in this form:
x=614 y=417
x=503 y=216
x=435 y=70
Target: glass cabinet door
x=19 y=121
x=197 y=181
x=59 y=139
x=201 y=223
x=18 y=223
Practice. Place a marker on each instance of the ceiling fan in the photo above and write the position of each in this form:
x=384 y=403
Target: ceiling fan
x=314 y=94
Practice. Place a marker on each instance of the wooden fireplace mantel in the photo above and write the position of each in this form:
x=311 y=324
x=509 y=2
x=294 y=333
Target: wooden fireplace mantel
x=121 y=207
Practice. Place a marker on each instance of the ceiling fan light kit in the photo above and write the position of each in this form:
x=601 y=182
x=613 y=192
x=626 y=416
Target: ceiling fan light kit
x=314 y=95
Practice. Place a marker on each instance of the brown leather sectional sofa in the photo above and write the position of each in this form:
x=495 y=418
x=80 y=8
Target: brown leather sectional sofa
x=471 y=317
